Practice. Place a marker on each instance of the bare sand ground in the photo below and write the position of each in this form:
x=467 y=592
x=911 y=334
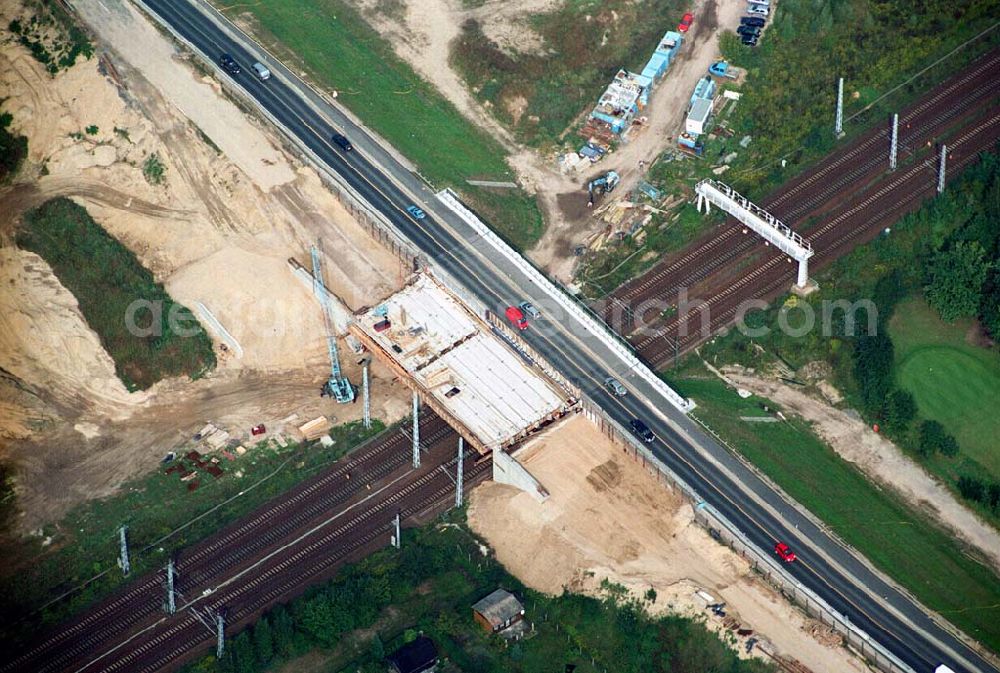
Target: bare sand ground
x=422 y=32
x=877 y=457
x=234 y=207
x=606 y=518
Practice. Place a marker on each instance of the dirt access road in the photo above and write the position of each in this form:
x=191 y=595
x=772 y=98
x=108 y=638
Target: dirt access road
x=421 y=32
x=606 y=518
x=233 y=208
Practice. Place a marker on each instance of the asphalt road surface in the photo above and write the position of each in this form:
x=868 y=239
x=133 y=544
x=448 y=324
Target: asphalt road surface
x=824 y=566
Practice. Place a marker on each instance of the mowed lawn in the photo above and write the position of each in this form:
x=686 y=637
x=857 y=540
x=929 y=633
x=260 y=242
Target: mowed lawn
x=953 y=381
x=887 y=530
x=332 y=42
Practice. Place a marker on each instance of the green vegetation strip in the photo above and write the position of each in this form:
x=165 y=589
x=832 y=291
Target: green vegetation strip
x=342 y=52
x=112 y=287
x=162 y=514
x=429 y=586
x=889 y=532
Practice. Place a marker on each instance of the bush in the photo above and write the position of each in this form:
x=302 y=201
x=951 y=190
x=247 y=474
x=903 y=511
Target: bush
x=933 y=438
x=153 y=169
x=13 y=149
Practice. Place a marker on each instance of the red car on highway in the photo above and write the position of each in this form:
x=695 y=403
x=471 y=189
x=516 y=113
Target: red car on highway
x=685 y=23
x=784 y=553
x=515 y=316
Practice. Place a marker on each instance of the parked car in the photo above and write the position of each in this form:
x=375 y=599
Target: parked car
x=615 y=387
x=760 y=3
x=750 y=40
x=685 y=23
x=757 y=21
x=341 y=140
x=784 y=553
x=745 y=31
x=642 y=430
x=758 y=10
x=530 y=309
x=514 y=315
x=229 y=64
x=258 y=429
x=261 y=71
x=416 y=212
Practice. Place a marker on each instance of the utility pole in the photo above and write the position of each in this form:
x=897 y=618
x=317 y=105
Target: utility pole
x=458 y=474
x=941 y=168
x=123 y=561
x=895 y=141
x=416 y=430
x=220 y=635
x=676 y=344
x=396 y=538
x=171 y=601
x=838 y=127
x=365 y=394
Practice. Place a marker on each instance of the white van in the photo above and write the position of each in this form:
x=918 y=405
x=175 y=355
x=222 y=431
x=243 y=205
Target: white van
x=262 y=72
x=758 y=10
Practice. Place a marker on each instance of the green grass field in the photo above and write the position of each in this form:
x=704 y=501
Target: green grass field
x=890 y=533
x=106 y=278
x=332 y=42
x=954 y=382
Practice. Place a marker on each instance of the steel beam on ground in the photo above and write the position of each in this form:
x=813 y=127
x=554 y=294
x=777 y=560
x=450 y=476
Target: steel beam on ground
x=838 y=126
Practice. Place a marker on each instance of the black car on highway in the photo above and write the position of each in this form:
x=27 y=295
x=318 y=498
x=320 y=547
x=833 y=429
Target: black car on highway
x=642 y=430
x=230 y=65
x=341 y=140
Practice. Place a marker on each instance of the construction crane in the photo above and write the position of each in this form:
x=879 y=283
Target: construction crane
x=337 y=386
x=602 y=185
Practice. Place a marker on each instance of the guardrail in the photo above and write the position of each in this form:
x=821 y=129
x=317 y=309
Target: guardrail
x=725 y=531
x=598 y=329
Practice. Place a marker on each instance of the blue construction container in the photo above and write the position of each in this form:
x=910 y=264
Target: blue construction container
x=704 y=90
x=669 y=45
x=656 y=67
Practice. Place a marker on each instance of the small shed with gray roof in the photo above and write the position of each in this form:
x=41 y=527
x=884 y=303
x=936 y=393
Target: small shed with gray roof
x=498 y=611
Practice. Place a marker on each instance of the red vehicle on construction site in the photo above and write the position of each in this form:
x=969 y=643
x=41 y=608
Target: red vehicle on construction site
x=685 y=23
x=515 y=315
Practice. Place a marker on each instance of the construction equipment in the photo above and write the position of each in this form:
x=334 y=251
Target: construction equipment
x=337 y=386
x=602 y=185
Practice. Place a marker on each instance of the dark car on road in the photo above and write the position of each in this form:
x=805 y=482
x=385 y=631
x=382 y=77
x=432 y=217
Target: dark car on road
x=757 y=21
x=748 y=31
x=341 y=140
x=642 y=430
x=230 y=65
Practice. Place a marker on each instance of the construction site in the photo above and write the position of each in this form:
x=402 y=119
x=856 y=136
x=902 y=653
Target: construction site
x=317 y=323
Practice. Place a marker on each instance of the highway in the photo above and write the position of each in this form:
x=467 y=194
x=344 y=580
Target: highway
x=845 y=581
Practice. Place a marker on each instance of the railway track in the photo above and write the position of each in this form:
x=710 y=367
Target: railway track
x=860 y=219
x=212 y=557
x=859 y=163
x=280 y=575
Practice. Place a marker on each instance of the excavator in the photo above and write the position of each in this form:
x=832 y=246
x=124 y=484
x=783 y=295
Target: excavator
x=604 y=184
